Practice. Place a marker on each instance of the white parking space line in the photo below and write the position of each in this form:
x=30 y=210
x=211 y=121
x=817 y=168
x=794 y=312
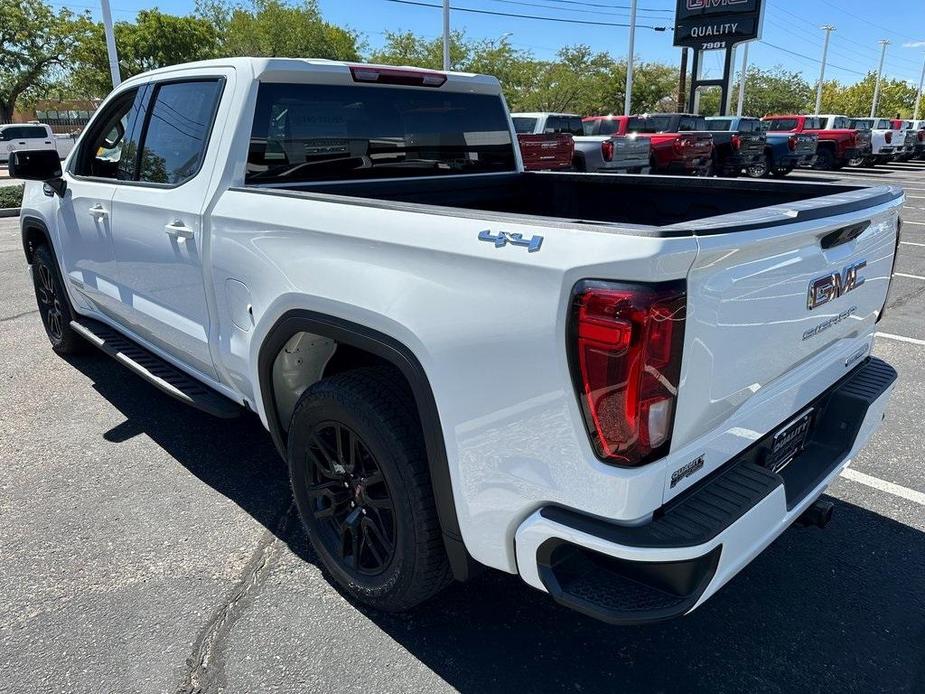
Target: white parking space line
x=884 y=486
x=912 y=277
x=910 y=243
x=918 y=224
x=915 y=197
x=901 y=338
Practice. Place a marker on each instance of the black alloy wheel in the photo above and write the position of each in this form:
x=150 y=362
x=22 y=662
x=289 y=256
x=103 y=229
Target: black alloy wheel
x=350 y=499
x=54 y=306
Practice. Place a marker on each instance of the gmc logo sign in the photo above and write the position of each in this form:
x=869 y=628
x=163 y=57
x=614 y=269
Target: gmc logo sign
x=694 y=5
x=822 y=290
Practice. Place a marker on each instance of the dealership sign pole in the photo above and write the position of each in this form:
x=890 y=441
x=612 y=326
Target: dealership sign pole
x=710 y=25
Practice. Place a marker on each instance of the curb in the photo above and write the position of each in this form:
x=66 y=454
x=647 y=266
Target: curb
x=9 y=212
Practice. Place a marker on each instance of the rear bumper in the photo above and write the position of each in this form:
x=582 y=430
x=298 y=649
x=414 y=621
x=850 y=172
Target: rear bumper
x=686 y=165
x=699 y=541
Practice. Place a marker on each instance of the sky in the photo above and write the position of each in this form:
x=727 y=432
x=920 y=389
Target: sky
x=791 y=38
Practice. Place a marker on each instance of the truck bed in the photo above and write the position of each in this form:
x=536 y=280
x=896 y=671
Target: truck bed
x=654 y=201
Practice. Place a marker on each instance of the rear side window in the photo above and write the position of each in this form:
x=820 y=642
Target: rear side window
x=813 y=124
x=840 y=123
x=309 y=132
x=179 y=119
x=524 y=126
x=783 y=124
x=718 y=125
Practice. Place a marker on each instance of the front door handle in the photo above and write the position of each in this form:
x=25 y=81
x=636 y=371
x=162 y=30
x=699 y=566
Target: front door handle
x=178 y=230
x=98 y=211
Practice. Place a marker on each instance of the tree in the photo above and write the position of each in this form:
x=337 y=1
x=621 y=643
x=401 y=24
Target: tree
x=34 y=42
x=896 y=96
x=273 y=28
x=153 y=40
x=774 y=90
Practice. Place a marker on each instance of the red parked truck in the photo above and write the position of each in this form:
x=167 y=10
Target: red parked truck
x=838 y=142
x=679 y=141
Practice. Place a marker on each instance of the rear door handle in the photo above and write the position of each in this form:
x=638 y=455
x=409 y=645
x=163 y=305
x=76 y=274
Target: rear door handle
x=98 y=211
x=178 y=230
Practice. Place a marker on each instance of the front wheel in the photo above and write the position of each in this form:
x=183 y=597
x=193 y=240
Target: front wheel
x=54 y=306
x=361 y=483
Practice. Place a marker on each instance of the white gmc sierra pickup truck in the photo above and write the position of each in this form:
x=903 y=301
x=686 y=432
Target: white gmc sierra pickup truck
x=621 y=388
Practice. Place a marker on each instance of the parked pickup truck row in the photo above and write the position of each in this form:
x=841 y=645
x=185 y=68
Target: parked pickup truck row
x=620 y=388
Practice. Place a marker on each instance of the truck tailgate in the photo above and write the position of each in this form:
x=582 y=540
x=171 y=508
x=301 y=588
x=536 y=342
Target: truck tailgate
x=631 y=147
x=765 y=301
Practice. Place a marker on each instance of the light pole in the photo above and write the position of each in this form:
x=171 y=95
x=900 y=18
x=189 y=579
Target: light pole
x=446 y=35
x=873 y=106
x=828 y=29
x=111 y=45
x=741 y=104
x=918 y=97
x=628 y=98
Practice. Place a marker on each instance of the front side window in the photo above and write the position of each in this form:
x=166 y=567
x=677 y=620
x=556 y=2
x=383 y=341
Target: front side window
x=314 y=132
x=101 y=152
x=179 y=119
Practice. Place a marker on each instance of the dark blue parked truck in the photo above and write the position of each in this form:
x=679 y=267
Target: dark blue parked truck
x=783 y=152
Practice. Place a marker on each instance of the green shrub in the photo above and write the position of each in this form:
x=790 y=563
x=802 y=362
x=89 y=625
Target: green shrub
x=10 y=196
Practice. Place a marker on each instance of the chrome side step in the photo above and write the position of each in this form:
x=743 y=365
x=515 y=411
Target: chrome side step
x=155 y=370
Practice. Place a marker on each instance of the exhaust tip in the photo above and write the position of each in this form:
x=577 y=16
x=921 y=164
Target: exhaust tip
x=818 y=515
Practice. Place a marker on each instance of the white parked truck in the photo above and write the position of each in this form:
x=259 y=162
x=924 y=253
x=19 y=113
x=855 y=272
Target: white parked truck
x=885 y=140
x=595 y=151
x=32 y=136
x=621 y=388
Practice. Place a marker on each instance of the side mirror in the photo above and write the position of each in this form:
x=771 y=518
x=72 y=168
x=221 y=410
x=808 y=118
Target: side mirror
x=35 y=165
x=38 y=165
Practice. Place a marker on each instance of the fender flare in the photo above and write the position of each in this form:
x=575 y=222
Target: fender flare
x=29 y=225
x=400 y=356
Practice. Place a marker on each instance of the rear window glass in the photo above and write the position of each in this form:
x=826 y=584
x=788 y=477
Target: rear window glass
x=750 y=125
x=307 y=132
x=524 y=126
x=718 y=125
x=691 y=124
x=862 y=124
x=601 y=126
x=782 y=123
x=649 y=124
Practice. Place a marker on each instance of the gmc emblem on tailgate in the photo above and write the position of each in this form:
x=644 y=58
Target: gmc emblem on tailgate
x=822 y=290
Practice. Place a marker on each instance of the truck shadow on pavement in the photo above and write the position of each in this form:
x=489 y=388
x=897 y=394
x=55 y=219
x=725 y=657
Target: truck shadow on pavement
x=836 y=610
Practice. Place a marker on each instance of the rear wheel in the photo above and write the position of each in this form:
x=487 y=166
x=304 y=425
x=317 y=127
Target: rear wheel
x=825 y=160
x=857 y=161
x=759 y=168
x=54 y=306
x=782 y=171
x=361 y=483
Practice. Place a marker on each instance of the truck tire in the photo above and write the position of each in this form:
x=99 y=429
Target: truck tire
x=760 y=168
x=359 y=474
x=54 y=306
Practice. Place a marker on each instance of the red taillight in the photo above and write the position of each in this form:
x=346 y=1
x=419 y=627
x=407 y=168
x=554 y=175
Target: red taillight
x=889 y=136
x=385 y=75
x=607 y=150
x=792 y=143
x=626 y=359
x=736 y=142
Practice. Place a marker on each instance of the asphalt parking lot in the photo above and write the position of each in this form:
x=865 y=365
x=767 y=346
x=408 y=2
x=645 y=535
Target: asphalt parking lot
x=147 y=547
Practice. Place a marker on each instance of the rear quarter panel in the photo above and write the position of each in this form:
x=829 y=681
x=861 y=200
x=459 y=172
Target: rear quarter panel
x=487 y=324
